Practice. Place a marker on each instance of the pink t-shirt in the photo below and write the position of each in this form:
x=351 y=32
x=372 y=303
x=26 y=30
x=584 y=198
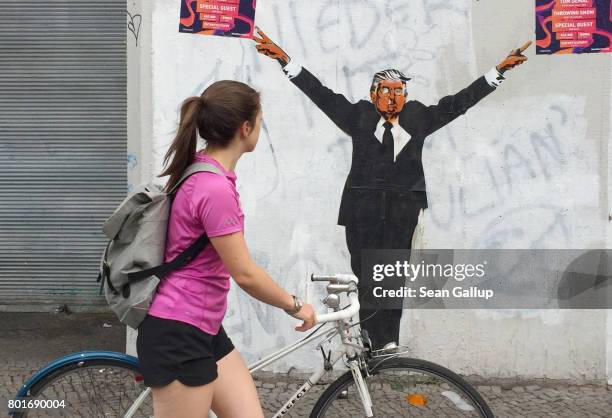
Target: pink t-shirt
x=197 y=292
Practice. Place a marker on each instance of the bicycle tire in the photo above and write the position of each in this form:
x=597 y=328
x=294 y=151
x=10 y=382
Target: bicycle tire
x=56 y=385
x=330 y=395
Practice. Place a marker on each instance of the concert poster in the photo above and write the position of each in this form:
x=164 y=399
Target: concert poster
x=573 y=26
x=234 y=18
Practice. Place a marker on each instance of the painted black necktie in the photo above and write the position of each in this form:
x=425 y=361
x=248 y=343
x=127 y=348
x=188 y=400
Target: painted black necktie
x=388 y=143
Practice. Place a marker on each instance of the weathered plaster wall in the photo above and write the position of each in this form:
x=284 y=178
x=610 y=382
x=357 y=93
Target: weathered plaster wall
x=140 y=103
x=526 y=168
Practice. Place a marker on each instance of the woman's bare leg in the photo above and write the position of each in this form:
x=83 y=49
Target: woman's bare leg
x=177 y=400
x=235 y=395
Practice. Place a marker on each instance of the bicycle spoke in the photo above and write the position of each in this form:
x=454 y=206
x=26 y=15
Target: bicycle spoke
x=93 y=391
x=403 y=393
x=93 y=397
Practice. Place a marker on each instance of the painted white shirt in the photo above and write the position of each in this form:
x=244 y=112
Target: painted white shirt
x=400 y=136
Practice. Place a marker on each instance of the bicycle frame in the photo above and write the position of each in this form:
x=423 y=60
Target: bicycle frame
x=344 y=349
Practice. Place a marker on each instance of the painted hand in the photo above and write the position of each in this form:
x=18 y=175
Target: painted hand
x=268 y=48
x=514 y=58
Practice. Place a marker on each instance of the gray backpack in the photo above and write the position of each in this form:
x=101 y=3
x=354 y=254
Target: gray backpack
x=133 y=262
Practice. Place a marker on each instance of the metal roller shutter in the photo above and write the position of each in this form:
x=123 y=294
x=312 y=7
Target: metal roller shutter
x=63 y=138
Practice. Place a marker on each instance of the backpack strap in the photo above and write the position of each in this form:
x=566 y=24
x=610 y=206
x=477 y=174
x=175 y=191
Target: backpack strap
x=196 y=168
x=179 y=261
x=195 y=248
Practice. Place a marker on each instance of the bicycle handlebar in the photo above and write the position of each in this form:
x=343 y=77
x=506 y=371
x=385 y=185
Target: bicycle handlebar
x=336 y=278
x=347 y=313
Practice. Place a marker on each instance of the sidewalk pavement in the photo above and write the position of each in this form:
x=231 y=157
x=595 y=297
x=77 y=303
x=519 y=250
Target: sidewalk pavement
x=30 y=340
x=512 y=401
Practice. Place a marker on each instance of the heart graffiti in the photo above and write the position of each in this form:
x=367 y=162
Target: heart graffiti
x=134 y=25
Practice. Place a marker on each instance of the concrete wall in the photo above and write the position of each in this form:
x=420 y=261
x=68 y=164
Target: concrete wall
x=140 y=104
x=525 y=168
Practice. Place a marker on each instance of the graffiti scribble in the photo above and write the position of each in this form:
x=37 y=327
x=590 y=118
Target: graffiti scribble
x=134 y=25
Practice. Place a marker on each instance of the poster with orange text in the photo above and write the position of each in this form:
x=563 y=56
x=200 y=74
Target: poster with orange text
x=573 y=26
x=233 y=18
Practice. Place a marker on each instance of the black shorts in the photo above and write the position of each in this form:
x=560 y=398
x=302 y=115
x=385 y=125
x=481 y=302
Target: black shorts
x=171 y=350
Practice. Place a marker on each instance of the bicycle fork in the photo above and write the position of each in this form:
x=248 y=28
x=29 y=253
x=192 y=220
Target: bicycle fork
x=362 y=387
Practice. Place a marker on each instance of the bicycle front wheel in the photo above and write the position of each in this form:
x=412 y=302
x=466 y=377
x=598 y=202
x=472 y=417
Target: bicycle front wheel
x=90 y=388
x=403 y=387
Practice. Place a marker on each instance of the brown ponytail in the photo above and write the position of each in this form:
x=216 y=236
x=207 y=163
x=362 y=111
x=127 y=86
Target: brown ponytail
x=183 y=148
x=216 y=115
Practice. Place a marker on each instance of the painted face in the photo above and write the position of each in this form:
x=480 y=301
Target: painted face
x=390 y=98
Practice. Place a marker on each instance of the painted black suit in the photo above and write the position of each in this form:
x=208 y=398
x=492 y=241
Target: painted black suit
x=381 y=200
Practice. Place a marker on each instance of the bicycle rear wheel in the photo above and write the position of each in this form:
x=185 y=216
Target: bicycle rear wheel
x=90 y=388
x=403 y=387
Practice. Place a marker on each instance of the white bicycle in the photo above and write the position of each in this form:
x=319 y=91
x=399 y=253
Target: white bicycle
x=377 y=383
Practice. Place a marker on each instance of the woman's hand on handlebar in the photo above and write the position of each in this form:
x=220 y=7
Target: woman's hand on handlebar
x=307 y=315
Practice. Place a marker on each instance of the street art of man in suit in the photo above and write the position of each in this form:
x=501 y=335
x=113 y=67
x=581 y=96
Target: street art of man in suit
x=385 y=189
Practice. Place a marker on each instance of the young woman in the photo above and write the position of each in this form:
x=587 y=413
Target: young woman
x=186 y=357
